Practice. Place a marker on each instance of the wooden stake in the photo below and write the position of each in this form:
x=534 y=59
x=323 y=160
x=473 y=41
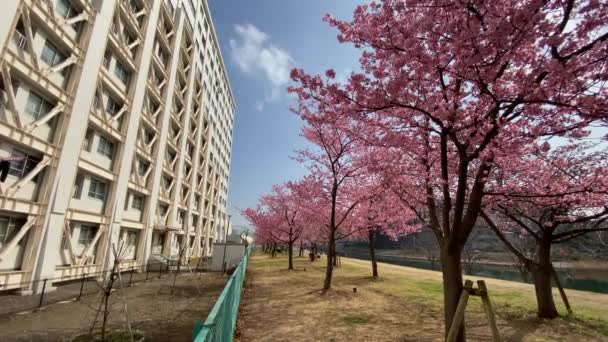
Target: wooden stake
x=487 y=305
x=124 y=301
x=459 y=316
x=561 y=290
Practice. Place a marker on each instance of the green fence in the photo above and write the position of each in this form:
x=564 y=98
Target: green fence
x=219 y=326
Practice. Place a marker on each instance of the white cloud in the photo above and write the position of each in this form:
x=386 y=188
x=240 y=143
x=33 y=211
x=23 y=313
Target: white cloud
x=252 y=51
x=259 y=106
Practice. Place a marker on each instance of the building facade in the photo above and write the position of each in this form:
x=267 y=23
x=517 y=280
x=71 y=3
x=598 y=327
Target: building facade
x=116 y=120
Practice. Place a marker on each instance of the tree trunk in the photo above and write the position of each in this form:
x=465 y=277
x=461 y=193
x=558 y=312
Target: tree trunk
x=301 y=251
x=273 y=253
x=372 y=254
x=542 y=272
x=331 y=251
x=451 y=269
x=290 y=251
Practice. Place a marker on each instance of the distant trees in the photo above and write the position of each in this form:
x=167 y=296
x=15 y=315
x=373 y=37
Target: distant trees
x=279 y=217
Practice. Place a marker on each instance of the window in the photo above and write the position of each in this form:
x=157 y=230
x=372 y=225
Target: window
x=170 y=155
x=88 y=139
x=23 y=167
x=96 y=101
x=126 y=37
x=132 y=236
x=36 y=106
x=97 y=189
x=87 y=234
x=167 y=182
x=78 y=186
x=105 y=147
x=9 y=227
x=112 y=107
x=51 y=55
x=148 y=136
x=190 y=150
x=143 y=167
x=64 y=8
x=122 y=73
x=184 y=193
x=162 y=210
x=138 y=202
x=107 y=57
x=152 y=106
x=19 y=37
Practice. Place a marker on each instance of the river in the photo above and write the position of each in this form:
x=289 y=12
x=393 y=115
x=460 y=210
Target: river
x=578 y=279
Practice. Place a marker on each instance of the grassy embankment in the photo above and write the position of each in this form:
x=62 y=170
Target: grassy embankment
x=405 y=304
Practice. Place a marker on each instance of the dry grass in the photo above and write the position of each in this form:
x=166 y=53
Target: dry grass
x=152 y=310
x=405 y=304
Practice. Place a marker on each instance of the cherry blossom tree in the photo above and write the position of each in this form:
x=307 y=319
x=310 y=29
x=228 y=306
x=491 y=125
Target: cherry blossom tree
x=333 y=167
x=279 y=214
x=263 y=224
x=381 y=213
x=462 y=86
x=548 y=198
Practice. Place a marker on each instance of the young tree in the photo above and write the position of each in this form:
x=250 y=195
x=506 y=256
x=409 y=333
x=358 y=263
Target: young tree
x=549 y=198
x=477 y=82
x=333 y=168
x=380 y=214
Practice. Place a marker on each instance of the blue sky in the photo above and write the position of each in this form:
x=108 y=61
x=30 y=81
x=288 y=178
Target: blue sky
x=261 y=41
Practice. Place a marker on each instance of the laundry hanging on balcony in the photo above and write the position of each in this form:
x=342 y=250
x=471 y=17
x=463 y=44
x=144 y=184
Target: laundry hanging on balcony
x=5 y=165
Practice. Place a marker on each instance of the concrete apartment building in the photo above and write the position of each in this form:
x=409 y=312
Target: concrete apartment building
x=117 y=119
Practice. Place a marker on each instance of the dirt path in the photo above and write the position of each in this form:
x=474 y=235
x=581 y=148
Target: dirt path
x=151 y=307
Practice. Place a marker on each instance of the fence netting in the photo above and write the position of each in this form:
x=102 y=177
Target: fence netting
x=220 y=324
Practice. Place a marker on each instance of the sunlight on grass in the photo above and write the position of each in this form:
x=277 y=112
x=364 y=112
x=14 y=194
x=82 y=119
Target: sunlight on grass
x=428 y=292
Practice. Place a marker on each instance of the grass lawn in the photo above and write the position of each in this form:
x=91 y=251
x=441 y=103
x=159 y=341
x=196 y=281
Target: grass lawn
x=405 y=304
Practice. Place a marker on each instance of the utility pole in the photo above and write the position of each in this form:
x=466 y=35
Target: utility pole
x=225 y=242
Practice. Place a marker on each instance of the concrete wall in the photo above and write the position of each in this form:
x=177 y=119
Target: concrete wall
x=233 y=255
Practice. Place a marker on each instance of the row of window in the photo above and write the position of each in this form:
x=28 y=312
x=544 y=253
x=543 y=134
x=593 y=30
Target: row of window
x=105 y=147
x=98 y=189
x=120 y=71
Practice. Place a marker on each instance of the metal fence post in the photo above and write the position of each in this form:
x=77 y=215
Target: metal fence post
x=131 y=276
x=84 y=276
x=147 y=272
x=42 y=294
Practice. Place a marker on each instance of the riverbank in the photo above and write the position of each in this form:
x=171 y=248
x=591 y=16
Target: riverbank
x=580 y=275
x=405 y=304
x=494 y=259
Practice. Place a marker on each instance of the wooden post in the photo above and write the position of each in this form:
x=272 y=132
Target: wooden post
x=459 y=316
x=487 y=305
x=561 y=290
